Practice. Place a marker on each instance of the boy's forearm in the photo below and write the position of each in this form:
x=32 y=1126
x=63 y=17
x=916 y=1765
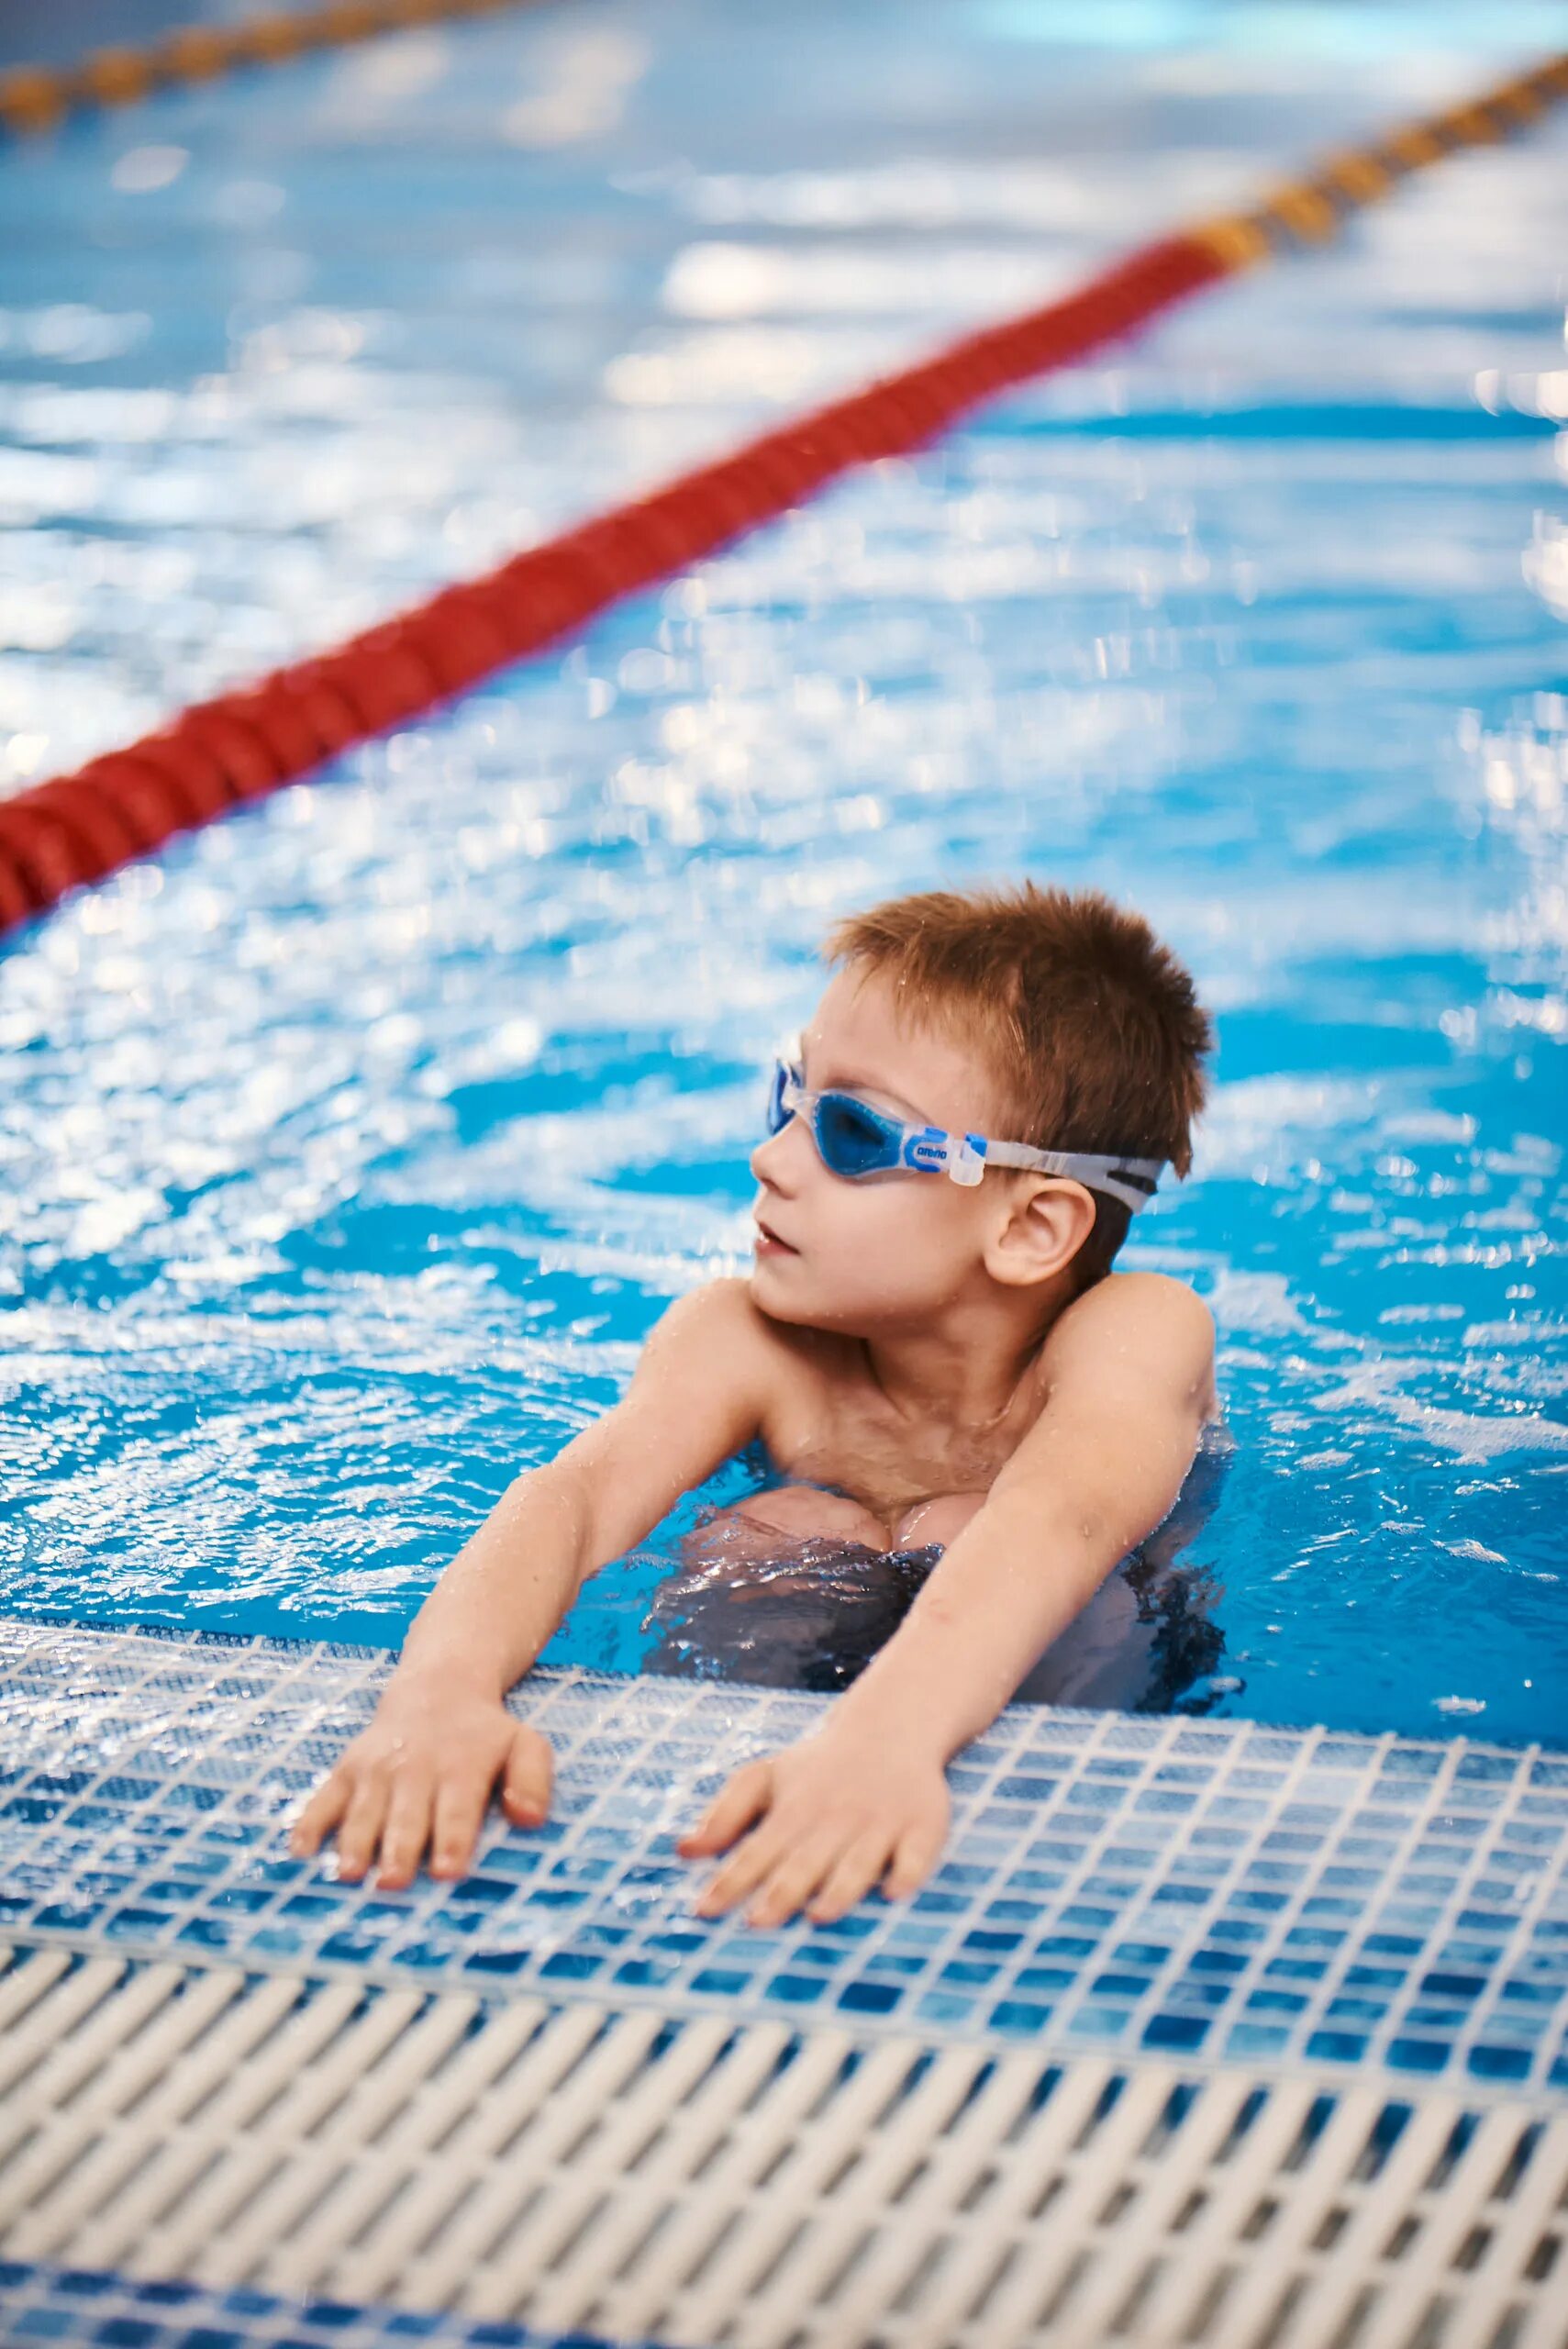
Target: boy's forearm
x=507 y=1590
x=1077 y=1500
x=988 y=1611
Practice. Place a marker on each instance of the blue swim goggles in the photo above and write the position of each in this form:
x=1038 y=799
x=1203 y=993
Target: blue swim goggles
x=854 y=1140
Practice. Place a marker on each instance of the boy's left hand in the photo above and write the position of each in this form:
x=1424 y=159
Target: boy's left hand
x=829 y=1818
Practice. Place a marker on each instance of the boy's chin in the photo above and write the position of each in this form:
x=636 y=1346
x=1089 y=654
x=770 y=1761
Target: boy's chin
x=778 y=1291
x=779 y=1296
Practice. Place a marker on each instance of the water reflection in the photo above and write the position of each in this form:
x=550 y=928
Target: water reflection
x=350 y=1151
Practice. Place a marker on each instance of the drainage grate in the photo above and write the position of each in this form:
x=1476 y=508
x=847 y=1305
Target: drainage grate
x=702 y=2182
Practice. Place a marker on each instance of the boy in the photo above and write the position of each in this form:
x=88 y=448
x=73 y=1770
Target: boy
x=930 y=1350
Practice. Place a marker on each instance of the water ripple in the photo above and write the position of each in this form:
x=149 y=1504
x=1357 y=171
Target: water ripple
x=349 y=1150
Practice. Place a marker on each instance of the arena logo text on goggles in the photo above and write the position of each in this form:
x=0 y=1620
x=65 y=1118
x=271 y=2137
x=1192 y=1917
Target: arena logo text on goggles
x=853 y=1140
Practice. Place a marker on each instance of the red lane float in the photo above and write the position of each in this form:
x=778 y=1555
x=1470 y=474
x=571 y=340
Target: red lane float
x=239 y=747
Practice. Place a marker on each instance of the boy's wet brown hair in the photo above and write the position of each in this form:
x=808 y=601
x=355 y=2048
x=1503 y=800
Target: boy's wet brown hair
x=1089 y=1027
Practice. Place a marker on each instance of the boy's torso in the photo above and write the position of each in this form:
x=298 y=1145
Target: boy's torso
x=830 y=1424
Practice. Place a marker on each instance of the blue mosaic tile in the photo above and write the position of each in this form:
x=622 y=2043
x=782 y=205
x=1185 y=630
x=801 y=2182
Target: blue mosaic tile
x=1240 y=1894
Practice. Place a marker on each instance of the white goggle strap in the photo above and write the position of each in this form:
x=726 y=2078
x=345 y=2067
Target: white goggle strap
x=1130 y=1181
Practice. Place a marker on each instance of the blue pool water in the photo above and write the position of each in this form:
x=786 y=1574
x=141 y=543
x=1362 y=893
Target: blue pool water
x=351 y=1148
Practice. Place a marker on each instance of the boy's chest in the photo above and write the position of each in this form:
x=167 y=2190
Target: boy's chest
x=888 y=1465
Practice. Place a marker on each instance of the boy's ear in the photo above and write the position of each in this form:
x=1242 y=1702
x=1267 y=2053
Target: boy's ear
x=1047 y=1222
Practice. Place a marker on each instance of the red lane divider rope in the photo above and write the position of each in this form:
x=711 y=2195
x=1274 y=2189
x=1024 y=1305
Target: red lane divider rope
x=35 y=98
x=242 y=745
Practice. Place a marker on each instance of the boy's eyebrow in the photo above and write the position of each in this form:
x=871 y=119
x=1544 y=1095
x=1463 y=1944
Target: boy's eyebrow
x=852 y=1082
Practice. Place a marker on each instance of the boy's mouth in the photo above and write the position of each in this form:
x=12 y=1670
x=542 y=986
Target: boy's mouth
x=768 y=1243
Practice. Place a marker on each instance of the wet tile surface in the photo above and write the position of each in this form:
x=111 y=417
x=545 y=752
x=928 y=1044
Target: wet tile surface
x=1221 y=1892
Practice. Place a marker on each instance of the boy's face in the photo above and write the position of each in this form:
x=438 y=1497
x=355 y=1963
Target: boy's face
x=887 y=1249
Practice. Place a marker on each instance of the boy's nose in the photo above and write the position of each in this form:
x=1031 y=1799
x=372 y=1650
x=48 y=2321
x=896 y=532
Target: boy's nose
x=776 y=1162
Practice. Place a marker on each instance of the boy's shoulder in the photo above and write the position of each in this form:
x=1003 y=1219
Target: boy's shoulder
x=724 y=1313
x=1150 y=1296
x=718 y=1338
x=1150 y=1314
x=720 y=1310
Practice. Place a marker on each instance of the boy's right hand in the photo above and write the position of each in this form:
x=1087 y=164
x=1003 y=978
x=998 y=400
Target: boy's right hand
x=421 y=1775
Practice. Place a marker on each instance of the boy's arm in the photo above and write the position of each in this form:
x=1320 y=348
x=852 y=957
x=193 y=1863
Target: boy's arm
x=423 y=1771
x=863 y=1800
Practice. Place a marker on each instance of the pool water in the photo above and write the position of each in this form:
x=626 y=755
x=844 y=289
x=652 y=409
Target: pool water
x=352 y=1147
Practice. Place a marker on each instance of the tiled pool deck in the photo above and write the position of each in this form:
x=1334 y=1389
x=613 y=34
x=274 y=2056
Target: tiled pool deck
x=1223 y=1893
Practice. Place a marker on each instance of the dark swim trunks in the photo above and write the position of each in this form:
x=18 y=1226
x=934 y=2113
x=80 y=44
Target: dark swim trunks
x=813 y=1615
x=814 y=1619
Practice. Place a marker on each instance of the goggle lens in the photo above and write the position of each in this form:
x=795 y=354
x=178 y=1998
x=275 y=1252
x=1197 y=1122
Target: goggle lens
x=851 y=1138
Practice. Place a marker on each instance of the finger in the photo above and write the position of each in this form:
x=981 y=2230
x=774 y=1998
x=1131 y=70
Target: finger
x=320 y=1815
x=794 y=1879
x=744 y=1798
x=459 y=1812
x=852 y=1878
x=407 y=1828
x=918 y=1851
x=362 y=1823
x=743 y=1870
x=530 y=1771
